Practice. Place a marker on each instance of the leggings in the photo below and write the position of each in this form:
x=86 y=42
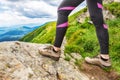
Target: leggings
x=96 y=15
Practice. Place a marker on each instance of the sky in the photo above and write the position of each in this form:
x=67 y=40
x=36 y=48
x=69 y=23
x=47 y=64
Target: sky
x=17 y=12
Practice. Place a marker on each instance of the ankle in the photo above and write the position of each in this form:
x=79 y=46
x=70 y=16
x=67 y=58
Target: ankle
x=56 y=48
x=105 y=56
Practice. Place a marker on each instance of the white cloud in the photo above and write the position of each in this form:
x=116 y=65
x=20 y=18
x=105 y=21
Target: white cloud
x=15 y=12
x=25 y=12
x=7 y=19
x=38 y=9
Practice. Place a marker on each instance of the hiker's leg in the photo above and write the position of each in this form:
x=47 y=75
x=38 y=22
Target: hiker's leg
x=64 y=10
x=95 y=9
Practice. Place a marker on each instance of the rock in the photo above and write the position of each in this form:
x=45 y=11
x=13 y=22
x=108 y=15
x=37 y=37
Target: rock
x=107 y=1
x=116 y=0
x=82 y=17
x=22 y=61
x=76 y=56
x=110 y=1
x=106 y=13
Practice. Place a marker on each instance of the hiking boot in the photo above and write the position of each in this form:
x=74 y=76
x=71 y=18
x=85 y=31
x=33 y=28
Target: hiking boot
x=98 y=61
x=50 y=52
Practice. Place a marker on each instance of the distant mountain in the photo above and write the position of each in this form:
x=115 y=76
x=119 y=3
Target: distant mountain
x=26 y=27
x=11 y=38
x=14 y=33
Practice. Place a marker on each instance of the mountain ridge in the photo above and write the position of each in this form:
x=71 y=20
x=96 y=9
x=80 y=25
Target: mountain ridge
x=13 y=34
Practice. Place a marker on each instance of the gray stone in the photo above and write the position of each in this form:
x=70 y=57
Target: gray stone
x=116 y=0
x=22 y=61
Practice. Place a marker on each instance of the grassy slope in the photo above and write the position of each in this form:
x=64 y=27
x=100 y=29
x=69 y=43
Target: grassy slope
x=81 y=38
x=44 y=34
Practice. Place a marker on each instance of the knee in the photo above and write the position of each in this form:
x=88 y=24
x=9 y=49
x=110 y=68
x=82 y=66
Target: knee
x=97 y=20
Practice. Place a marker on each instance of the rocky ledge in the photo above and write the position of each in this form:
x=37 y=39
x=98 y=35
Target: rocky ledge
x=22 y=61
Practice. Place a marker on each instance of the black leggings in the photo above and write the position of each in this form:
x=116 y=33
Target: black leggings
x=95 y=10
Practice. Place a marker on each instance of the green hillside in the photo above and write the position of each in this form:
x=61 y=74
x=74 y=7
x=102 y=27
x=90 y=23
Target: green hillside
x=44 y=34
x=81 y=38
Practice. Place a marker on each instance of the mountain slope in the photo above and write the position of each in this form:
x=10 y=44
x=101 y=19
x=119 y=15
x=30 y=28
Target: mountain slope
x=81 y=38
x=43 y=34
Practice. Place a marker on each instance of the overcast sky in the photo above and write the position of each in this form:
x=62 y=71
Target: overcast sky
x=16 y=12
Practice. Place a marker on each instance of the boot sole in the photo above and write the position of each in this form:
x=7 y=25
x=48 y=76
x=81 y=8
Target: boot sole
x=52 y=57
x=99 y=65
x=49 y=56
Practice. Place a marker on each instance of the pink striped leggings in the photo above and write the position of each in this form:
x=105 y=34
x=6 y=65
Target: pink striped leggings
x=96 y=15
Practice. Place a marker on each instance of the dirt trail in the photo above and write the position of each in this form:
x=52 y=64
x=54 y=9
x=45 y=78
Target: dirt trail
x=97 y=73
